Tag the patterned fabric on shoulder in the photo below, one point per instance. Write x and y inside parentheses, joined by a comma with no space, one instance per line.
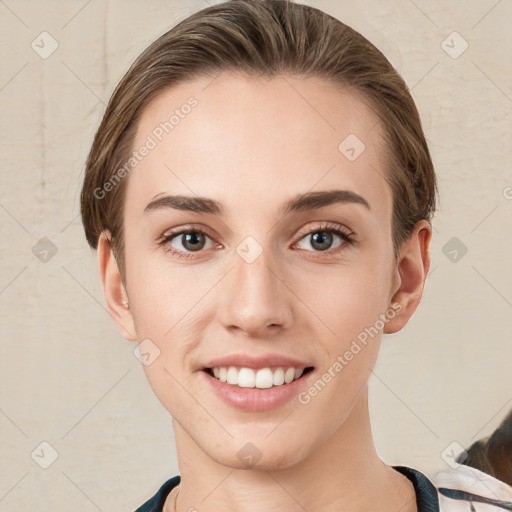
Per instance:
(466,489)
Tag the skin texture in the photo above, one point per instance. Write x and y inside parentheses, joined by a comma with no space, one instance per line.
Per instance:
(252,144)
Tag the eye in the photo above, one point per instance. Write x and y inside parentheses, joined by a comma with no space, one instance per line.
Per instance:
(186,241)
(322,238)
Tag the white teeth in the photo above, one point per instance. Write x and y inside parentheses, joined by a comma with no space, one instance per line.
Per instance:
(289,375)
(298,373)
(246,378)
(232,375)
(279,377)
(263,378)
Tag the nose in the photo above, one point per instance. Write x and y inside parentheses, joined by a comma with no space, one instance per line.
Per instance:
(254,298)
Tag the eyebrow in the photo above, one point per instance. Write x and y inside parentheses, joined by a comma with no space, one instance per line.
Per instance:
(299,203)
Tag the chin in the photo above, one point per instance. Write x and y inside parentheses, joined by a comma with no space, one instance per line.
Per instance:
(259,455)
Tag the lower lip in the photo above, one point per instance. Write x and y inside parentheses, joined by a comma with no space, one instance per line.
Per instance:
(255,399)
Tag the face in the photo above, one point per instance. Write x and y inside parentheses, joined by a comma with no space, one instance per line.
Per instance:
(261,263)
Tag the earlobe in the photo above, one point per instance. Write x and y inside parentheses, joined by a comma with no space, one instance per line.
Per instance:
(412,267)
(114,290)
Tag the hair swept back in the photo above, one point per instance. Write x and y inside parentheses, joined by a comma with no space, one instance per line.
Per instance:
(265,38)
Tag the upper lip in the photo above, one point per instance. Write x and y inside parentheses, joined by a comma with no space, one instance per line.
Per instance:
(248,361)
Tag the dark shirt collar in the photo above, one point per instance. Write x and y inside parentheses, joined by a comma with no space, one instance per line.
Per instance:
(427,499)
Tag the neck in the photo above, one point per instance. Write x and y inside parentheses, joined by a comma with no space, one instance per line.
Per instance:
(344,472)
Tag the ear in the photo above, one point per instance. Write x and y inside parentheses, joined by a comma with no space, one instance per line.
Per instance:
(411,270)
(114,290)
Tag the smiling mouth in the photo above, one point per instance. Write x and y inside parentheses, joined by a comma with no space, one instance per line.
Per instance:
(263,378)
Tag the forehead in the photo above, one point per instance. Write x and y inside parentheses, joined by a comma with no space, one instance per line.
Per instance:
(252,139)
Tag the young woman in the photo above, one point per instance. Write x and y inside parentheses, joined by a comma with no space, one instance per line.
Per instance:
(260,193)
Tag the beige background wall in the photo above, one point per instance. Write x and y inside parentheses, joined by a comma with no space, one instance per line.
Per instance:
(70,380)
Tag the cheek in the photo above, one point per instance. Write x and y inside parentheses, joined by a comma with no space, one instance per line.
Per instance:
(159,294)
(171,304)
(346,299)
(347,304)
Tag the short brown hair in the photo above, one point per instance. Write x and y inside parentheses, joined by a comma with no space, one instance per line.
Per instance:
(266,38)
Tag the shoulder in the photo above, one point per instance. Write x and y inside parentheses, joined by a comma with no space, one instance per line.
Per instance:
(461,489)
(468,489)
(156,503)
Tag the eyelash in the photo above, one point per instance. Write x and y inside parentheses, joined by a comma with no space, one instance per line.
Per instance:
(347,236)
(344,233)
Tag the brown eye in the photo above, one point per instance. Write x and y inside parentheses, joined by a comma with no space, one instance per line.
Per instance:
(193,241)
